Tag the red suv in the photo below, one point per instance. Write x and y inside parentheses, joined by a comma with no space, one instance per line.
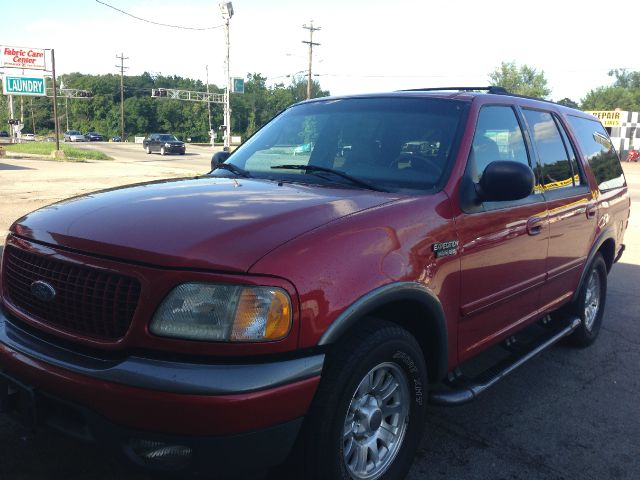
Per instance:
(315,299)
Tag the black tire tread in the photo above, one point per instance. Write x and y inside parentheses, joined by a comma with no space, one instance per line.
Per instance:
(352,350)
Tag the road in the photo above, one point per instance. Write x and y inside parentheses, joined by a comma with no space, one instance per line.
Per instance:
(30,182)
(567,414)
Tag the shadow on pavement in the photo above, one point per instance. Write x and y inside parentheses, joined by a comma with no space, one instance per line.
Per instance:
(6,166)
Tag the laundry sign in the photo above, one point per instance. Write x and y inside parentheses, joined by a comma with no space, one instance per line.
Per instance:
(22,85)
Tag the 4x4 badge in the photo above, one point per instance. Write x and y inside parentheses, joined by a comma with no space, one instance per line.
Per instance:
(445,249)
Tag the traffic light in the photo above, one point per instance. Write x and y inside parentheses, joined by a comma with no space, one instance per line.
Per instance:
(158,92)
(13,121)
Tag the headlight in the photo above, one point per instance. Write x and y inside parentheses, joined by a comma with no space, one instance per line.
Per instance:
(224,313)
(167,145)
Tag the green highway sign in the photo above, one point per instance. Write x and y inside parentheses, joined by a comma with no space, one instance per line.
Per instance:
(21,85)
(237,85)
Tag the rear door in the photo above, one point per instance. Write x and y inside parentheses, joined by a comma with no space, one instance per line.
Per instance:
(572,210)
(503,244)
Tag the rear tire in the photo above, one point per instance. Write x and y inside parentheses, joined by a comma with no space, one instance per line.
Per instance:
(148,150)
(368,415)
(589,305)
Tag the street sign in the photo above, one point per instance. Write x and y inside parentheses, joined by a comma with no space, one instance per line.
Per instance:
(237,85)
(21,85)
(21,57)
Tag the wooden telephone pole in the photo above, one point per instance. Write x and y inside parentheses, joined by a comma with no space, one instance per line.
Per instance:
(122,69)
(311,29)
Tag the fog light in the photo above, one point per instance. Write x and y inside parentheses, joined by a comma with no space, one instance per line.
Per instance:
(159,455)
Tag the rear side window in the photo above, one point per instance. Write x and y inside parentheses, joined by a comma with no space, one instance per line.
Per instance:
(498,136)
(598,149)
(554,158)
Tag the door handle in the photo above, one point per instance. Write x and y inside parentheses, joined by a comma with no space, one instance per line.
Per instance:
(534,225)
(592,209)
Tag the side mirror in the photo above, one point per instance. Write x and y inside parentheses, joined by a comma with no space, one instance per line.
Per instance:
(219,157)
(504,181)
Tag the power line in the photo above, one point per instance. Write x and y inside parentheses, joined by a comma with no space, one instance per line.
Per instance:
(158,23)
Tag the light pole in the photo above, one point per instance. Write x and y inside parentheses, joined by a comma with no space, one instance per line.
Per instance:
(226,8)
(211,136)
(66,105)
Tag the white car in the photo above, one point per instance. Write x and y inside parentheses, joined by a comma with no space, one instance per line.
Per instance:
(74,136)
(28,137)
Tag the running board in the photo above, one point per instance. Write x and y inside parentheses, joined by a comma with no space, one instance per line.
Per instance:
(466,391)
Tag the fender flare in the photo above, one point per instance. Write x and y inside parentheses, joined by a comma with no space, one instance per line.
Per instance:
(394,292)
(607,234)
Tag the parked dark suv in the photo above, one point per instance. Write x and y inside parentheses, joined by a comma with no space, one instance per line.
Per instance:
(318,298)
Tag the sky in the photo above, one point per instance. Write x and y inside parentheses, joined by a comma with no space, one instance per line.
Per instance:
(365,45)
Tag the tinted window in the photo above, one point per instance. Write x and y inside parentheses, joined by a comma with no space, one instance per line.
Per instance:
(575,168)
(167,138)
(598,149)
(554,160)
(497,137)
(394,143)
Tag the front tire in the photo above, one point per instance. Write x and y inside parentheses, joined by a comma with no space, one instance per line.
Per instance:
(589,305)
(368,415)
(163,151)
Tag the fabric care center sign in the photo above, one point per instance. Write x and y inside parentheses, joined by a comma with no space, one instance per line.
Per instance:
(23,58)
(17,57)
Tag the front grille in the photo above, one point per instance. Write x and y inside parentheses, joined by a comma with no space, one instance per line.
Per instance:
(88,301)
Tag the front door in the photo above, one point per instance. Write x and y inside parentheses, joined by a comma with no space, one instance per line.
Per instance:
(503,245)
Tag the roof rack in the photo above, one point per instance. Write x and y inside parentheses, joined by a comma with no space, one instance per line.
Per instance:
(490,89)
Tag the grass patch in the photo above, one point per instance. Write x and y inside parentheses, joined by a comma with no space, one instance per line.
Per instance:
(45,148)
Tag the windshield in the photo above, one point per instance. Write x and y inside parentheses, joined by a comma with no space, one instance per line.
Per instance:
(393,143)
(167,138)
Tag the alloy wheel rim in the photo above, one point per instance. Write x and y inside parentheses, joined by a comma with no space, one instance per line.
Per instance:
(592,300)
(376,422)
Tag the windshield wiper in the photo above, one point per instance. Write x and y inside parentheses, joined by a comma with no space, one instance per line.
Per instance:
(232,168)
(316,168)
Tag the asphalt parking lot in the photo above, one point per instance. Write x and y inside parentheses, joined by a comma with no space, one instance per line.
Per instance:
(568,414)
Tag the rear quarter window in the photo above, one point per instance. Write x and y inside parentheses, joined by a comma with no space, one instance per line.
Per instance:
(598,149)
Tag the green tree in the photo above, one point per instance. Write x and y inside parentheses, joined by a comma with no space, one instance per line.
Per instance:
(523,80)
(567,102)
(145,114)
(298,88)
(623,94)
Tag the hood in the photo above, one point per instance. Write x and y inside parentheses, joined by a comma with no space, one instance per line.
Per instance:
(212,223)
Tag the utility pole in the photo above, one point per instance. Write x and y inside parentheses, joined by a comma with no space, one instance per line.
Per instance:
(66,105)
(226,8)
(55,99)
(311,29)
(66,111)
(11,116)
(33,120)
(211,135)
(122,69)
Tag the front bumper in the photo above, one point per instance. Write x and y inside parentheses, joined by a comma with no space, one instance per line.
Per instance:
(215,410)
(175,148)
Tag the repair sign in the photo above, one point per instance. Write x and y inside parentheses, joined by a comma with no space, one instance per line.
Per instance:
(22,57)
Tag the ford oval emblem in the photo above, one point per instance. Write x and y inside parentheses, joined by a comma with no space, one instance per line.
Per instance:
(43,291)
